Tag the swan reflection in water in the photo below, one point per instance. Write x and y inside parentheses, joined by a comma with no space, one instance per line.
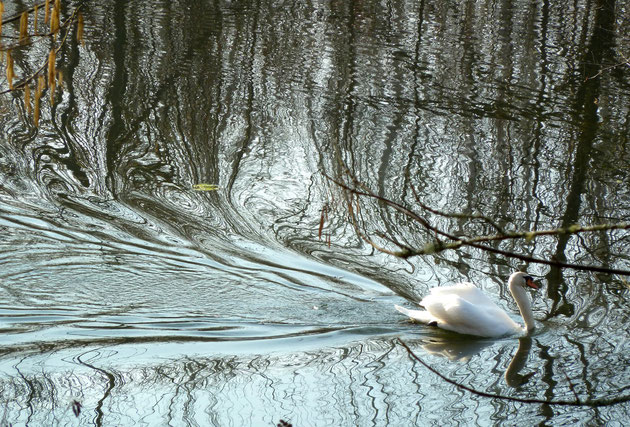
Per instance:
(463,350)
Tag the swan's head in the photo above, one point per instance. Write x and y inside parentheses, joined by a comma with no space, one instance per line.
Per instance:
(522,280)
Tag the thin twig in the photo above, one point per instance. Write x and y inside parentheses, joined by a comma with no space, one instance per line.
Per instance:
(601,71)
(458,242)
(455,215)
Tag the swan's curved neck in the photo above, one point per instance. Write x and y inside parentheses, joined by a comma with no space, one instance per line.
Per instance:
(524,305)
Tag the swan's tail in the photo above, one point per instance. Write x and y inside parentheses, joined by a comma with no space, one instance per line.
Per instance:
(421,316)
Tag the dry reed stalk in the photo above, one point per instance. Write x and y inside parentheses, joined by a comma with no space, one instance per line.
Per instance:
(80,28)
(35,10)
(27,98)
(24,26)
(51,74)
(1,12)
(10,71)
(41,84)
(54,21)
(36,110)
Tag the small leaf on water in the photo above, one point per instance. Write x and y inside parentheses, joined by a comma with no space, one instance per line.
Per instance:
(529,236)
(205,187)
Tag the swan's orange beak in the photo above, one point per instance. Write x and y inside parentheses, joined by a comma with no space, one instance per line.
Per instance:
(529,281)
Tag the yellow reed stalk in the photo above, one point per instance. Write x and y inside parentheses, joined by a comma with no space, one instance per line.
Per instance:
(80,28)
(57,8)
(27,98)
(54,21)
(23,25)
(1,12)
(36,109)
(35,10)
(51,74)
(10,72)
(41,84)
(46,11)
(60,79)
(51,67)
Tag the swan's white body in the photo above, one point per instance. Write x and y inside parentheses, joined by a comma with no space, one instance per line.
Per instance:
(465,309)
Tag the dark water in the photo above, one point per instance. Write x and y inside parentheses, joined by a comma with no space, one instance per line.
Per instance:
(124,288)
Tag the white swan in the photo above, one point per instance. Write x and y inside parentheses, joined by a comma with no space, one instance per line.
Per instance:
(465,309)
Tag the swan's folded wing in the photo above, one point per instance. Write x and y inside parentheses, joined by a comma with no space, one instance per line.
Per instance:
(458,314)
(466,291)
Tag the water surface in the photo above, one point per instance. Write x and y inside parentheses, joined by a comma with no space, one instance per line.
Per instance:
(149,302)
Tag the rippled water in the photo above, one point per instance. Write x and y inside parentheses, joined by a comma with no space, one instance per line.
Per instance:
(147,301)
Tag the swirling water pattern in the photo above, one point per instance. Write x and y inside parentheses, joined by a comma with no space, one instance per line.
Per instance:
(148,302)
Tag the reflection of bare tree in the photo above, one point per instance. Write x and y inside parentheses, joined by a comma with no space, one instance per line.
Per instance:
(209,390)
(351,381)
(597,53)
